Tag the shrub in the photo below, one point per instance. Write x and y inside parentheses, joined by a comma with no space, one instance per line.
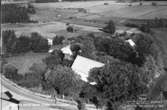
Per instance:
(56,58)
(9,41)
(38,43)
(70,29)
(30,80)
(110,28)
(145,28)
(31,9)
(154,4)
(23,44)
(10,72)
(58,40)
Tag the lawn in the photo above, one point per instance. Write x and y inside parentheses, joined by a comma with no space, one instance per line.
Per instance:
(25,61)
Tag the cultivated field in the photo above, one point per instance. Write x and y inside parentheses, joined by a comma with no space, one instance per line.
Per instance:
(97,10)
(91,13)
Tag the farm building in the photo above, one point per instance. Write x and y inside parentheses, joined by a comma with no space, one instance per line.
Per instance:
(83,65)
(131,42)
(67,52)
(50,41)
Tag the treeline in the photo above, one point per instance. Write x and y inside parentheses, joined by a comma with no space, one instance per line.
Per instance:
(12,13)
(146,24)
(14,45)
(47,1)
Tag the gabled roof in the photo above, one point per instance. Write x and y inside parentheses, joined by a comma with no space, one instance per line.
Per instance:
(67,50)
(131,42)
(83,65)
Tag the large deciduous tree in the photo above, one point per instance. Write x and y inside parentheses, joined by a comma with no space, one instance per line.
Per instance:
(54,59)
(9,41)
(118,82)
(110,27)
(64,80)
(38,43)
(23,44)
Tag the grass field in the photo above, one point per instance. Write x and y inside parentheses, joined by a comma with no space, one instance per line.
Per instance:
(24,62)
(97,10)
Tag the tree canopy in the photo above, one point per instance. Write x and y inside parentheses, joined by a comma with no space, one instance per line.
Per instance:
(118,81)
(64,80)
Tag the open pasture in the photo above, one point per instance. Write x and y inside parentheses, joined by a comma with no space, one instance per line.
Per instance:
(25,61)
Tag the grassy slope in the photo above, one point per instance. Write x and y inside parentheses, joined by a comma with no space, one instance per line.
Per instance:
(160,36)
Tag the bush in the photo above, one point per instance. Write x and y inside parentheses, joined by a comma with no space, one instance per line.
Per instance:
(70,29)
(58,40)
(9,41)
(30,80)
(10,72)
(56,58)
(23,44)
(110,28)
(31,9)
(64,80)
(38,43)
(145,28)
(154,4)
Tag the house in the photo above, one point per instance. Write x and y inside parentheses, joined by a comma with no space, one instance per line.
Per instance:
(82,66)
(131,42)
(67,52)
(50,41)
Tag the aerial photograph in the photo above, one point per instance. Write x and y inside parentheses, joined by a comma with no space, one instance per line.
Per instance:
(83,55)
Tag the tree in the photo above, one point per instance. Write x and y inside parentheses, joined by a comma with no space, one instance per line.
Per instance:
(10,72)
(31,9)
(30,80)
(56,58)
(118,82)
(145,28)
(120,49)
(58,40)
(143,44)
(64,81)
(38,43)
(110,27)
(39,68)
(87,46)
(76,49)
(102,44)
(70,29)
(23,44)
(9,40)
